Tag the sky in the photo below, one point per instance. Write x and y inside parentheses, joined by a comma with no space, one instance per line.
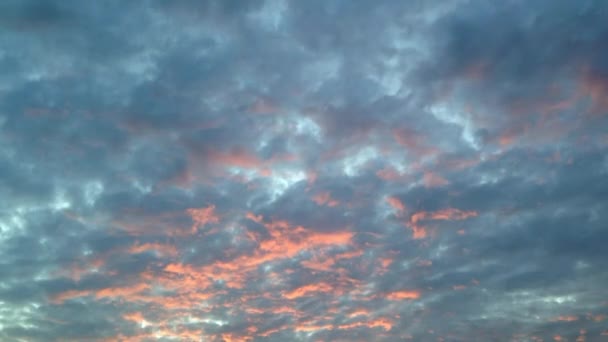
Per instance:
(317,170)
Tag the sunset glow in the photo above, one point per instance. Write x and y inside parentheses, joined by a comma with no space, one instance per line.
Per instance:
(314,170)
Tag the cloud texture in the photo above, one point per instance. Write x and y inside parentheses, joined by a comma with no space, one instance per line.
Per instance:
(303,170)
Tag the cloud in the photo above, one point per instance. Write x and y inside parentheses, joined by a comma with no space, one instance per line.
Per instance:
(318,170)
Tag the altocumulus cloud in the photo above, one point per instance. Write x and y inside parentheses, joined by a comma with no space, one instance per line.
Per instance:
(303,170)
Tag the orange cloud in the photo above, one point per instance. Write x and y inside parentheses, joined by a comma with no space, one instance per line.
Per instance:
(458,164)
(318,265)
(433,180)
(284,310)
(413,142)
(164,249)
(386,262)
(233,338)
(66,295)
(565,319)
(127,291)
(332,238)
(377,323)
(192,280)
(404,294)
(507,139)
(306,290)
(324,198)
(235,158)
(311,328)
(418,232)
(444,214)
(350,255)
(136,317)
(183,288)
(448,214)
(271,331)
(359,312)
(202,216)
(396,204)
(254,218)
(130,338)
(194,284)
(77,271)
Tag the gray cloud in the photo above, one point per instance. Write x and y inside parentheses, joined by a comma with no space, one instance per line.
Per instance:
(320,170)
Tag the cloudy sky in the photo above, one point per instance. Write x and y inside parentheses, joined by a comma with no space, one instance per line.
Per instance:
(303,170)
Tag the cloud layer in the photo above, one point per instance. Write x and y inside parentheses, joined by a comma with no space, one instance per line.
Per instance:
(303,171)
